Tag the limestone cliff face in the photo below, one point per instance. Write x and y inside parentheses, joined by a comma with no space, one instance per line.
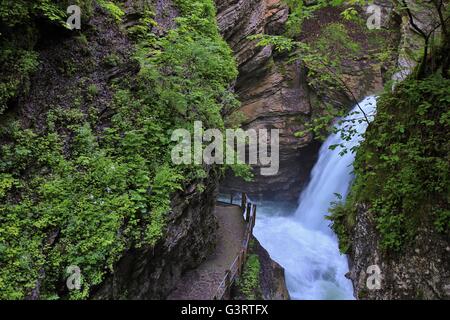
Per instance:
(271,284)
(272,92)
(152,273)
(419,272)
(275,93)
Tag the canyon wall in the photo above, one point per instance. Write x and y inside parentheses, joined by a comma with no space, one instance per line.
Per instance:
(419,269)
(190,237)
(272,92)
(191,234)
(275,94)
(69,65)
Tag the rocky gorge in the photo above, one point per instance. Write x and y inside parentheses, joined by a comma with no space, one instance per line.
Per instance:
(84,175)
(82,72)
(275,93)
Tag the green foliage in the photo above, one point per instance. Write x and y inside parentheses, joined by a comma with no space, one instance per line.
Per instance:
(166,181)
(80,192)
(112,60)
(248,283)
(113,9)
(402,168)
(19,32)
(20,64)
(301,10)
(21,11)
(280,43)
(6,183)
(324,56)
(143,29)
(244,171)
(92,90)
(350,14)
(343,217)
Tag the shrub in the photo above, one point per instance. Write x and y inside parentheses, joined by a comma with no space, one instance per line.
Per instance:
(80,192)
(402,168)
(248,284)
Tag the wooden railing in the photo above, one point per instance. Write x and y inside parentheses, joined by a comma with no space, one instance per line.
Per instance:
(236,268)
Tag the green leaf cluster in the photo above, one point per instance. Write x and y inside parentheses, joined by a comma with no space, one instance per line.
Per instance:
(402,168)
(248,283)
(84,190)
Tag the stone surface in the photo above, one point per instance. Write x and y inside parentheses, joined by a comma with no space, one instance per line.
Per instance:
(152,273)
(421,271)
(275,94)
(272,92)
(272,284)
(203,282)
(272,280)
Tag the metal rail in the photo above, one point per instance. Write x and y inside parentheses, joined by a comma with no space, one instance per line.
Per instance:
(235,270)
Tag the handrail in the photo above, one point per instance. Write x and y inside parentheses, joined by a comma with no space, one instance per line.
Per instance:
(235,270)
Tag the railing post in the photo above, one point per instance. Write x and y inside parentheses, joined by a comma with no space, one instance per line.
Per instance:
(247,214)
(239,270)
(243,201)
(231,198)
(254,217)
(227,283)
(242,260)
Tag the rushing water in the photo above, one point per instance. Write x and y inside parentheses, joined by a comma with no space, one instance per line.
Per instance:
(300,239)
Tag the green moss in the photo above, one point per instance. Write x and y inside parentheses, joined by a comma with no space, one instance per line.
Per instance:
(79,193)
(113,9)
(19,31)
(112,60)
(248,283)
(402,168)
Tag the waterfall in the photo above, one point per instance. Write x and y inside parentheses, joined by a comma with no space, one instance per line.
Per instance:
(332,174)
(301,240)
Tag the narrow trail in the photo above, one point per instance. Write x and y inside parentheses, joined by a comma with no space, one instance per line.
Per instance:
(202,282)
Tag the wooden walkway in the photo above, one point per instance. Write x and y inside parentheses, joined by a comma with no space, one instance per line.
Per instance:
(214,277)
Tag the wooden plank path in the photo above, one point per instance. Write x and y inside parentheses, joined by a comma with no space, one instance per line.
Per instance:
(214,277)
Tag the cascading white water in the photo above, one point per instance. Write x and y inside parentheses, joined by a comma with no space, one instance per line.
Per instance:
(302,242)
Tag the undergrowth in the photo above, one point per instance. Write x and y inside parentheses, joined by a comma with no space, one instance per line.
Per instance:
(76,195)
